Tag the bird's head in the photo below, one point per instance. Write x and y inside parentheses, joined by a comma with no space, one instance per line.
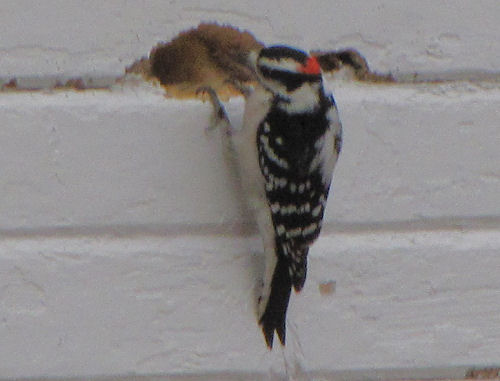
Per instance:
(284,70)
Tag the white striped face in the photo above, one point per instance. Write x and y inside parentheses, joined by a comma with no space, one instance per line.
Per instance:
(291,74)
(281,64)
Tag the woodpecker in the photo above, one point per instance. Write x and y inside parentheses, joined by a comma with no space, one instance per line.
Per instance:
(286,151)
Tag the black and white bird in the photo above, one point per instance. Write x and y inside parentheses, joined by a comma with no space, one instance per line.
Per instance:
(286,152)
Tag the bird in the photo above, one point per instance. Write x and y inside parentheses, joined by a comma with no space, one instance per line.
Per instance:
(285,153)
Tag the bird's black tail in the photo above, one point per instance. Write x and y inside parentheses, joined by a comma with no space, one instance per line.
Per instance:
(290,270)
(274,316)
(299,268)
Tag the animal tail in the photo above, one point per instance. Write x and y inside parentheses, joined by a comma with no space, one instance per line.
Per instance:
(298,267)
(289,270)
(274,316)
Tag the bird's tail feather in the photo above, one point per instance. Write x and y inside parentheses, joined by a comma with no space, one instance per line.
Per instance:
(274,316)
(299,267)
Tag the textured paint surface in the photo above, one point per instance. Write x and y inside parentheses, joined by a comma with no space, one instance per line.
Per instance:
(397,36)
(121,247)
(124,247)
(103,305)
(132,158)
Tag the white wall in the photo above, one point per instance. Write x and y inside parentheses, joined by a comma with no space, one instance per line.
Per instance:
(123,246)
(71,37)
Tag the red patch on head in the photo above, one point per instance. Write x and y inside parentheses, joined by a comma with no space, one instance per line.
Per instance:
(311,67)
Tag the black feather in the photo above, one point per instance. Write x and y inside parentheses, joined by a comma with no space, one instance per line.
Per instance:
(274,317)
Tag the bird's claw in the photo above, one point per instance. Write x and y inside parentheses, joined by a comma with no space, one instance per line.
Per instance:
(219,113)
